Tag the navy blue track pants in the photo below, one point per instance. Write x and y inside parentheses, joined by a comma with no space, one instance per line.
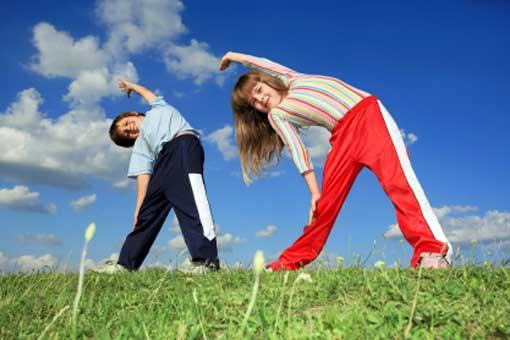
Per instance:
(176,182)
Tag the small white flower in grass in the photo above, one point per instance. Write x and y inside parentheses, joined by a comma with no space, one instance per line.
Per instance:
(379,265)
(89,233)
(195,299)
(258,262)
(258,267)
(339,261)
(302,277)
(195,296)
(305,277)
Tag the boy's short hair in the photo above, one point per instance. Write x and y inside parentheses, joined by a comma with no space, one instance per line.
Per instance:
(115,134)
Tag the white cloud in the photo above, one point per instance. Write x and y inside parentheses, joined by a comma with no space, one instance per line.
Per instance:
(225,241)
(408,137)
(124,184)
(76,147)
(393,231)
(223,139)
(158,250)
(493,226)
(82,202)
(3,260)
(39,239)
(445,210)
(177,243)
(91,263)
(137,24)
(268,231)
(175,228)
(316,140)
(113,257)
(193,61)
(22,114)
(90,86)
(94,70)
(28,263)
(20,198)
(276,173)
(158,265)
(60,55)
(178,94)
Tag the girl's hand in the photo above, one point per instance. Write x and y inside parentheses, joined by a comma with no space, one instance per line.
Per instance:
(125,86)
(225,61)
(313,205)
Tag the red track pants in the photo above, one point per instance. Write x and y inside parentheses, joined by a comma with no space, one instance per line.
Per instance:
(368,136)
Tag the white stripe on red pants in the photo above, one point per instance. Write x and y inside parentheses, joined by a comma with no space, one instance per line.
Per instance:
(367,136)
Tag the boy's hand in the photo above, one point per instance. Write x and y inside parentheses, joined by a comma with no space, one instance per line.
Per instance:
(125,86)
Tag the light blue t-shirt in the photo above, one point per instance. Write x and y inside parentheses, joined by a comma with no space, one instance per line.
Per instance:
(162,122)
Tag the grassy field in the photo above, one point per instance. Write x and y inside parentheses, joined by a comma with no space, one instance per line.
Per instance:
(467,302)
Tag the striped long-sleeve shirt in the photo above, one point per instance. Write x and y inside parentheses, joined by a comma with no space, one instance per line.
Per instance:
(311,100)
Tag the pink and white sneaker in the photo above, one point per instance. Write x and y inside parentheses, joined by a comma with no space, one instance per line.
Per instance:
(433,261)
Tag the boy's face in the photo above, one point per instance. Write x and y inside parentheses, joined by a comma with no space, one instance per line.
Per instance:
(129,127)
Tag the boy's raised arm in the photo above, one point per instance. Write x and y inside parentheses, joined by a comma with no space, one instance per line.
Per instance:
(126,86)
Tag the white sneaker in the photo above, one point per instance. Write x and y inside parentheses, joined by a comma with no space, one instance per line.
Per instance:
(110,267)
(433,261)
(195,268)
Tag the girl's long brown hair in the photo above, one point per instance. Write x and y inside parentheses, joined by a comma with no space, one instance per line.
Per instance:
(257,141)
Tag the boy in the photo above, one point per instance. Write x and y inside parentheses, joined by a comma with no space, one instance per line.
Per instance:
(167,161)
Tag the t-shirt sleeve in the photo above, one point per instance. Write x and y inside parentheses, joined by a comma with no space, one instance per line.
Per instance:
(158,102)
(141,161)
(290,137)
(269,67)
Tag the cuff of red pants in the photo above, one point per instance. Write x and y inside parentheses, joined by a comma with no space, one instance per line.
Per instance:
(280,266)
(439,248)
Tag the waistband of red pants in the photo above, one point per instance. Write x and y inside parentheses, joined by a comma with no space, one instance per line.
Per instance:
(360,106)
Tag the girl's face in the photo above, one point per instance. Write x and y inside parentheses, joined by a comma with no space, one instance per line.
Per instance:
(129,127)
(263,97)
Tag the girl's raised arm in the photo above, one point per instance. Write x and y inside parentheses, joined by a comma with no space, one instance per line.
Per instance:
(261,64)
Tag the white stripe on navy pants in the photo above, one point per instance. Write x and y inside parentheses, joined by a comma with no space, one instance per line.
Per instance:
(176,182)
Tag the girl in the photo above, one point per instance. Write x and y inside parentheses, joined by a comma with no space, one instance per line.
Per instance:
(271,102)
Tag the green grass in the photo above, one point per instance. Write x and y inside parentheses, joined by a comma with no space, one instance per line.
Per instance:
(466,302)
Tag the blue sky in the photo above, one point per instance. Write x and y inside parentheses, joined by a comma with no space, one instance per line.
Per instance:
(441,69)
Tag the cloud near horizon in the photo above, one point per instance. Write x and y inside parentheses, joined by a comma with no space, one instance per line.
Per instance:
(20,198)
(462,227)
